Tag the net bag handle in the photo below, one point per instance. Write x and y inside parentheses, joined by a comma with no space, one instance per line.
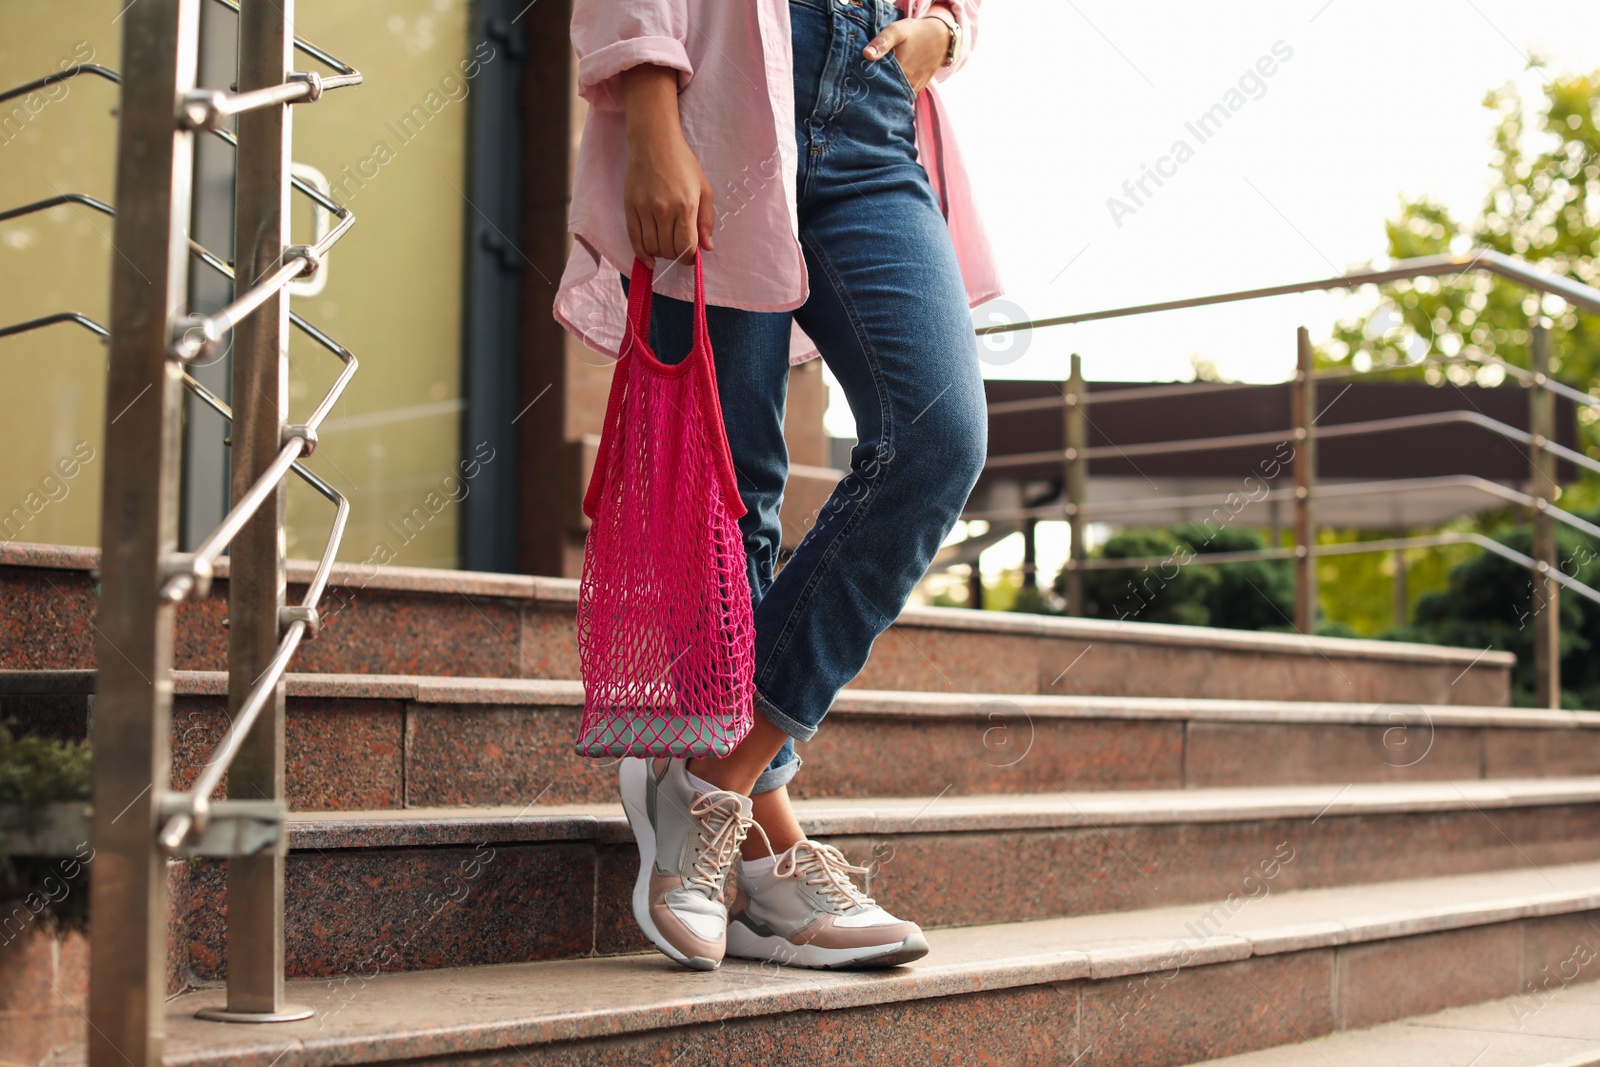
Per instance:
(711,409)
(635,342)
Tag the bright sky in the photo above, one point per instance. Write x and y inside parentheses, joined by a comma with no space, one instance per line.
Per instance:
(1065,100)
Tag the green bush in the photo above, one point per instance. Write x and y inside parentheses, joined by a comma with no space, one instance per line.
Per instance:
(1258,595)
(38,770)
(34,772)
(1182,588)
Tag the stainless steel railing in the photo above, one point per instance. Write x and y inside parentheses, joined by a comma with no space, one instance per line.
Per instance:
(1544,450)
(138,819)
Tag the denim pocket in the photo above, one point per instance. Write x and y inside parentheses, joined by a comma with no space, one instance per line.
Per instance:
(899,74)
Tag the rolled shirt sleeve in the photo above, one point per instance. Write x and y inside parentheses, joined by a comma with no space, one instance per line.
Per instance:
(611,36)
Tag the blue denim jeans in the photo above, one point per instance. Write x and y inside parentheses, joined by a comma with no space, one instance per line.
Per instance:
(888,312)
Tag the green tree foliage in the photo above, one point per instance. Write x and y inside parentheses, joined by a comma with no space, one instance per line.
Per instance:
(1357,590)
(1543,206)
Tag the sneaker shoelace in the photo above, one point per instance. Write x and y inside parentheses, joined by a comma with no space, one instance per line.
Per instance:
(722,828)
(826,868)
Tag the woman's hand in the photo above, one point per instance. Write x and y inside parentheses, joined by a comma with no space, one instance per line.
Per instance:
(665,195)
(919,45)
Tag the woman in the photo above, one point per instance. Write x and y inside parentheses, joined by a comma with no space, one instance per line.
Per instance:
(799,145)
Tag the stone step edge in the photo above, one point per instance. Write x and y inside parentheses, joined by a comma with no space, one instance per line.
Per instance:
(605,824)
(747,989)
(1407,1041)
(431,689)
(564,592)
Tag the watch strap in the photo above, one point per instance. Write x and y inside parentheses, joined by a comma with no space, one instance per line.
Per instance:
(954,27)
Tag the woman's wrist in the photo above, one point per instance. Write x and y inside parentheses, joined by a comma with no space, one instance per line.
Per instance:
(650,105)
(946,17)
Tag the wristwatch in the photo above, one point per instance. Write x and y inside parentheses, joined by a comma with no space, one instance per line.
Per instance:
(953,26)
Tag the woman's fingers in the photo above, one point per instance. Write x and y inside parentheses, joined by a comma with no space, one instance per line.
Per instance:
(671,231)
(886,41)
(652,239)
(708,218)
(683,231)
(636,236)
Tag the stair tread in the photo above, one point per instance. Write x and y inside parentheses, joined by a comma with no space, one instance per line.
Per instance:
(458,1010)
(564,592)
(396,827)
(931,703)
(1560,1028)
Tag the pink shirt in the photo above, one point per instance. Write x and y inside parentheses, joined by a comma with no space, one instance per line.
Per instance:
(736,104)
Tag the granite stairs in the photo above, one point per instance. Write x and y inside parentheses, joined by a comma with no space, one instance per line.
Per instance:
(1131,843)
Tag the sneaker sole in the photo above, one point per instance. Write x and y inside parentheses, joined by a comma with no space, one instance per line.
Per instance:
(746,944)
(631,777)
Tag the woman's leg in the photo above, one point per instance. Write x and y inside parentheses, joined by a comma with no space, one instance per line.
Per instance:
(741,769)
(888,310)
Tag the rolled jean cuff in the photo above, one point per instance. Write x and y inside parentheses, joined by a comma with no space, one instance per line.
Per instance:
(793,727)
(775,777)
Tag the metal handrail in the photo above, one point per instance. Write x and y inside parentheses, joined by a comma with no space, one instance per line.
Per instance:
(195,334)
(176,587)
(188,810)
(1527,377)
(347,75)
(1471,418)
(1349,548)
(1114,396)
(140,484)
(219,132)
(301,184)
(1268,437)
(65,74)
(196,568)
(1208,388)
(1143,392)
(50,320)
(206,109)
(191,572)
(1544,450)
(1320,492)
(200,251)
(211,399)
(56,201)
(1402,270)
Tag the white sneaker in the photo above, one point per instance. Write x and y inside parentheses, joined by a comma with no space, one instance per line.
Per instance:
(808,913)
(688,841)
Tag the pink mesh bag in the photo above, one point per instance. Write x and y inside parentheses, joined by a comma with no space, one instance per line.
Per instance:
(665,636)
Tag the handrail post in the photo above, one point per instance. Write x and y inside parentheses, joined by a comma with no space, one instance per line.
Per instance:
(133,650)
(1302,417)
(1402,609)
(256,579)
(1075,480)
(1030,552)
(1545,592)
